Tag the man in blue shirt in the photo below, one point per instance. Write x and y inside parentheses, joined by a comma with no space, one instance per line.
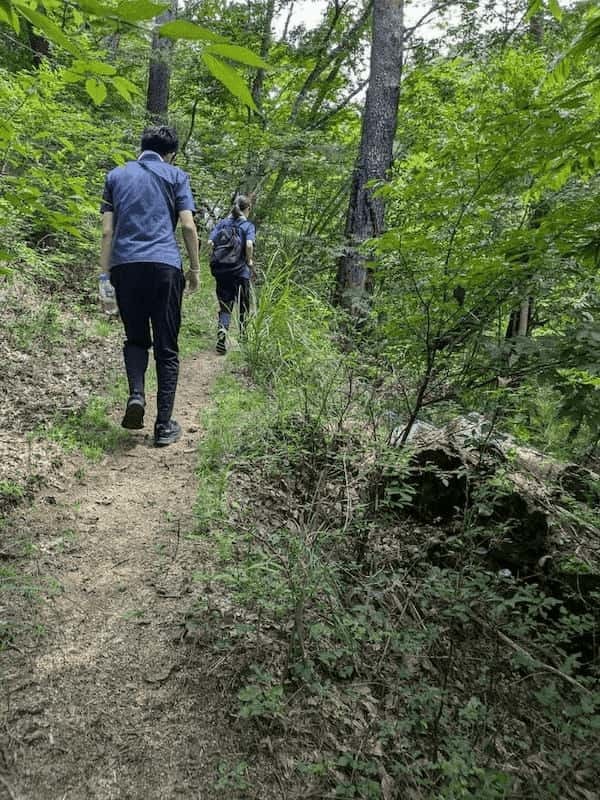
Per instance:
(142,203)
(233,280)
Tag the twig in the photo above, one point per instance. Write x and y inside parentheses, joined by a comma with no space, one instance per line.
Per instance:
(8,788)
(175,554)
(216,665)
(12,646)
(519,649)
(348,498)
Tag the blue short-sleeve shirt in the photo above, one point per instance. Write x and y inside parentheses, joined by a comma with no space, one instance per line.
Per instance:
(247,230)
(146,197)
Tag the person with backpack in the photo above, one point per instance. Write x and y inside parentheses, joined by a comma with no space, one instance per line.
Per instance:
(231,244)
(142,203)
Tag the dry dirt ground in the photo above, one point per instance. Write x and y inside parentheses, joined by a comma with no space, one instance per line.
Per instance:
(53,362)
(102,699)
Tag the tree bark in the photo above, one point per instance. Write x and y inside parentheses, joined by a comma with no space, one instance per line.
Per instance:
(265,46)
(39,45)
(519,323)
(159,73)
(288,19)
(536,29)
(365,216)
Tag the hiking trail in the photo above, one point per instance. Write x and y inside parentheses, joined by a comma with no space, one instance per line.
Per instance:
(106,702)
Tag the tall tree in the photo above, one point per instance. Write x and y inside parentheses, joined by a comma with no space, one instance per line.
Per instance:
(40,46)
(520,319)
(366,211)
(334,45)
(159,73)
(267,36)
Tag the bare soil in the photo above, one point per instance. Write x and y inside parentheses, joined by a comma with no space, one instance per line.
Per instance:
(53,361)
(102,698)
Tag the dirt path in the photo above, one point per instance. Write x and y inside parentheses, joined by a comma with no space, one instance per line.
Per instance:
(108,703)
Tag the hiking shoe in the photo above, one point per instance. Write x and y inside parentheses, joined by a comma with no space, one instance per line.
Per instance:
(221,346)
(134,413)
(166,433)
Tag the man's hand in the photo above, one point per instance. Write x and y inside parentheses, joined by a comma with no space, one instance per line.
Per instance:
(192,280)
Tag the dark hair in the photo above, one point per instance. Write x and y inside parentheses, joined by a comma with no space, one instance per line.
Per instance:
(161,139)
(241,204)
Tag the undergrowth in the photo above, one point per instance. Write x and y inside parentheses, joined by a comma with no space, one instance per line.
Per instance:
(90,431)
(370,662)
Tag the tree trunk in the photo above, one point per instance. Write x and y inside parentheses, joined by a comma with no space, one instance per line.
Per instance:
(519,323)
(536,29)
(159,73)
(39,45)
(265,46)
(365,211)
(288,19)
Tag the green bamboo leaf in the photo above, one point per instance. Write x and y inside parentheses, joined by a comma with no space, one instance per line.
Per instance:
(237,53)
(96,90)
(139,10)
(96,67)
(230,79)
(183,29)
(50,29)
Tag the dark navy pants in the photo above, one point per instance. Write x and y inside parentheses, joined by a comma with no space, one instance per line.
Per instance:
(229,291)
(149,297)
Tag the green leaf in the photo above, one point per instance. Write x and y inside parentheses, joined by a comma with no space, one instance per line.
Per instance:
(183,29)
(94,7)
(535,6)
(230,79)
(96,90)
(7,14)
(71,77)
(138,10)
(50,29)
(237,53)
(586,40)
(96,67)
(131,87)
(555,9)
(124,87)
(6,130)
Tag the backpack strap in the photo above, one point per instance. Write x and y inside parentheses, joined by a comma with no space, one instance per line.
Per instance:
(235,223)
(166,189)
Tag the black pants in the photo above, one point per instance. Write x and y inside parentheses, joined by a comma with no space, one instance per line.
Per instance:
(149,295)
(229,291)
